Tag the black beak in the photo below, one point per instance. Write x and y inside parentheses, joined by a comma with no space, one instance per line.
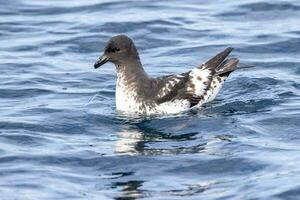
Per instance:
(102,60)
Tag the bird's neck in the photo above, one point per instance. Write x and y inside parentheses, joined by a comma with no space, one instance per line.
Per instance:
(131,72)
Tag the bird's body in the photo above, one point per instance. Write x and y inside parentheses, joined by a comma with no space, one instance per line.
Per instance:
(138,93)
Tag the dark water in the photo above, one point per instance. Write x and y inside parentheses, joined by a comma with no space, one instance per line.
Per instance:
(60,137)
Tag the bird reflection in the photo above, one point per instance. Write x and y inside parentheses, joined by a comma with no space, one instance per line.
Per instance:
(134,190)
(140,139)
(130,190)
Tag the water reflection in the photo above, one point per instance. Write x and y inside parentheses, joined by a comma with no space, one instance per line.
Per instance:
(130,190)
(134,190)
(149,141)
(150,138)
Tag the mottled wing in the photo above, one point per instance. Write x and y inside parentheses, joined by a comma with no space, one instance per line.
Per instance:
(196,85)
(205,80)
(190,86)
(171,87)
(199,84)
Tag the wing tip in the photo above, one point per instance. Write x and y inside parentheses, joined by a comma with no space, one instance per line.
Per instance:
(214,62)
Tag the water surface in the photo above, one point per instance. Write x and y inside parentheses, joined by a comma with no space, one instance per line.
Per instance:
(61,138)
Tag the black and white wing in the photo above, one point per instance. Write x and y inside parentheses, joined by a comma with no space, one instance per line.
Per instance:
(198,85)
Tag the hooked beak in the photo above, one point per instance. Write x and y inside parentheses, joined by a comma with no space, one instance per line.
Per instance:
(101,61)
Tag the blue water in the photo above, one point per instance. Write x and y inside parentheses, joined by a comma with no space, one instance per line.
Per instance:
(61,138)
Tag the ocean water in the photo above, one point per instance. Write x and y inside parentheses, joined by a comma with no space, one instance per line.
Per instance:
(61,138)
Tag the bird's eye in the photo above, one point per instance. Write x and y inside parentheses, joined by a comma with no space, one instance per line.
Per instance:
(115,49)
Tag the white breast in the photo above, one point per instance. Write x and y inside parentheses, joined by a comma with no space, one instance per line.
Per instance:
(126,98)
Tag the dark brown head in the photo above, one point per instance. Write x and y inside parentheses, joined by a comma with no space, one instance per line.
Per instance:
(119,49)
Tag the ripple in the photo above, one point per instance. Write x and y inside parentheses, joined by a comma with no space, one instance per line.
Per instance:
(23,93)
(289,46)
(290,194)
(263,6)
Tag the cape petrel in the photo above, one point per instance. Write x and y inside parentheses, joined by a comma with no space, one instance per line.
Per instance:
(138,93)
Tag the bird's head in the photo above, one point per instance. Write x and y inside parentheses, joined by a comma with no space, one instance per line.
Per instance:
(119,49)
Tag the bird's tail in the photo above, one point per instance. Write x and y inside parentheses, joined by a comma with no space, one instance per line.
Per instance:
(222,66)
(226,67)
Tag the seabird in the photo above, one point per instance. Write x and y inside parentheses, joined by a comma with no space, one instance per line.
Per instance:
(138,93)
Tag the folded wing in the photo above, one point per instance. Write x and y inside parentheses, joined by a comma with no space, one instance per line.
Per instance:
(198,85)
